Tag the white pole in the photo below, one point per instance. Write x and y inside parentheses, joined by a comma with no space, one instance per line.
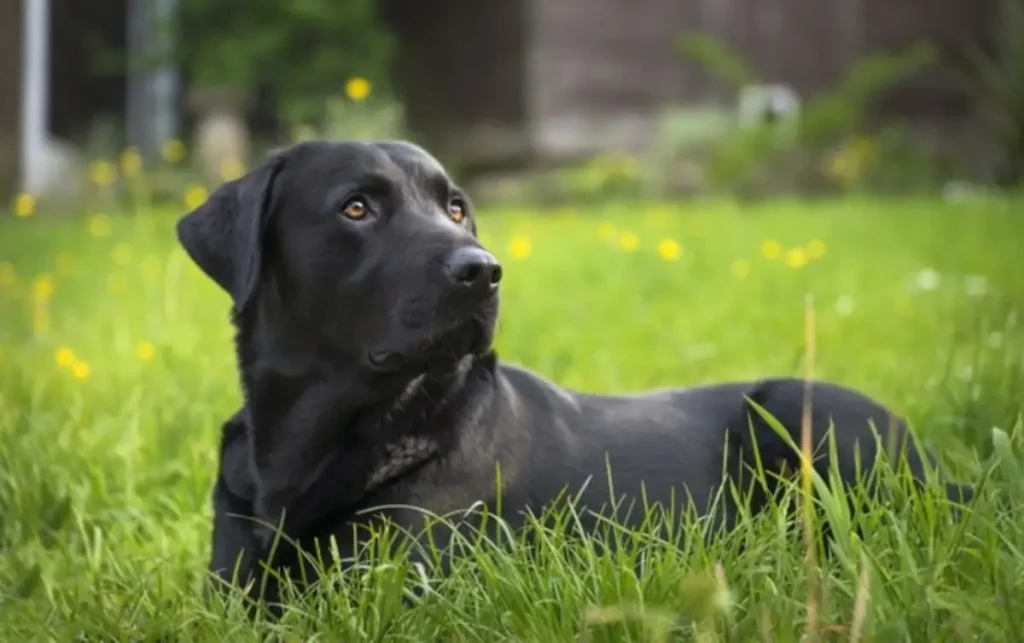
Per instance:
(35,92)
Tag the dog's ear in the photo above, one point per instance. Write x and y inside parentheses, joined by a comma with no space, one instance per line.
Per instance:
(224,236)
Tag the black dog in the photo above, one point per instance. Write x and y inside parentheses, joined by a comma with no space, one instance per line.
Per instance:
(365,309)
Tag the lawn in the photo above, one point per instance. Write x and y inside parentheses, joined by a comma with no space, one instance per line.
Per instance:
(116,371)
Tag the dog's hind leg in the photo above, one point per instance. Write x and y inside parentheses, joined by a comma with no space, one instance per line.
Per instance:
(862,429)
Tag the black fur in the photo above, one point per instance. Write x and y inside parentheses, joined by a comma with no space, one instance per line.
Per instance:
(369,377)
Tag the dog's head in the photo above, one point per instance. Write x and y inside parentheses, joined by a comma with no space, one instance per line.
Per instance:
(370,248)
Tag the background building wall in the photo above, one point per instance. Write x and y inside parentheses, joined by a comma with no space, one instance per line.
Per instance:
(10,95)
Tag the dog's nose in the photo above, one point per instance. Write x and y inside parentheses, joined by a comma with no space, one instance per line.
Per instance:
(473,268)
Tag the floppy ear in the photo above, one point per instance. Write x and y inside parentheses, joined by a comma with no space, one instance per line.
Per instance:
(224,236)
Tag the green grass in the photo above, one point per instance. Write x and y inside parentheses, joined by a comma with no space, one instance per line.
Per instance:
(105,477)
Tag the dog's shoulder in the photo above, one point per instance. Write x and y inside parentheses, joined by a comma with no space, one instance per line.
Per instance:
(234,474)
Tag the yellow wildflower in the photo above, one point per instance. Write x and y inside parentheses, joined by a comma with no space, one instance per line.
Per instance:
(847,163)
(65,357)
(796,258)
(771,249)
(195,196)
(24,205)
(102,173)
(231,169)
(80,370)
(520,247)
(740,268)
(358,88)
(629,241)
(606,230)
(145,350)
(173,151)
(131,162)
(42,288)
(99,225)
(670,250)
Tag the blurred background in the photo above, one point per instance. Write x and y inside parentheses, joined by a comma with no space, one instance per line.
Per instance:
(553,100)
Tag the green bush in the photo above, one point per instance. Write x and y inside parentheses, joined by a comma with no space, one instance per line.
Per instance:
(1001,76)
(304,46)
(758,158)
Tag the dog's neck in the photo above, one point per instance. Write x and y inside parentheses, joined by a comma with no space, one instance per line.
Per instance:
(325,431)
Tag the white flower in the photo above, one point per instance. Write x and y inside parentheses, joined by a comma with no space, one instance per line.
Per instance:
(958,191)
(976,286)
(927,279)
(844,305)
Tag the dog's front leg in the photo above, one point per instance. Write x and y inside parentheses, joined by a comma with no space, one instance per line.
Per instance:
(293,446)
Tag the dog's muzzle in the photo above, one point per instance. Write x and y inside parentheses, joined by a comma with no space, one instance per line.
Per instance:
(473,271)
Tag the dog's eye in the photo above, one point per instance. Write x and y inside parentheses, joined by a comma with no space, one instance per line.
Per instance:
(355,209)
(456,211)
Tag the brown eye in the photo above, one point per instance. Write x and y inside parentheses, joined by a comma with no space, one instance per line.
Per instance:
(456,211)
(355,209)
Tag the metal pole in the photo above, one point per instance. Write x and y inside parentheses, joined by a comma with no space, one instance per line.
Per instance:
(35,93)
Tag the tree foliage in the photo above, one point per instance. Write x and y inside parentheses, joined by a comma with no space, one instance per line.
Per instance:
(303,47)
